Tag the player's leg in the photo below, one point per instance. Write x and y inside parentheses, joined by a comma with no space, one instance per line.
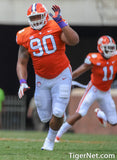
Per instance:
(67,125)
(101,116)
(38,125)
(44,110)
(61,88)
(108,107)
(43,101)
(87,100)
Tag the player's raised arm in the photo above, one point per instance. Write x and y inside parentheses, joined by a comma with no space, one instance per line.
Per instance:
(69,36)
(80,70)
(21,69)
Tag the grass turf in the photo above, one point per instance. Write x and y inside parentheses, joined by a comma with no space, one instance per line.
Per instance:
(26,145)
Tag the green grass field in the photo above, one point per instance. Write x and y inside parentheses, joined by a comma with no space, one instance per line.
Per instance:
(25,145)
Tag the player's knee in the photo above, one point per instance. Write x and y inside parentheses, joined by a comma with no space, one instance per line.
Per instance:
(112,122)
(84,108)
(82,113)
(45,120)
(58,113)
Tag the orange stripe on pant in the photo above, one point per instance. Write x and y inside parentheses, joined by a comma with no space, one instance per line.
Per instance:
(84,95)
(70,68)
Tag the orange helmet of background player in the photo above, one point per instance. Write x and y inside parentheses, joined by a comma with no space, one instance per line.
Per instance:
(37,9)
(106,46)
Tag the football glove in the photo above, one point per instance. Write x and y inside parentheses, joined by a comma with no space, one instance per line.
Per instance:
(57,17)
(23,88)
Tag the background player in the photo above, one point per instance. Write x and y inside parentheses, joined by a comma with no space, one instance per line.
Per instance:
(104,67)
(44,40)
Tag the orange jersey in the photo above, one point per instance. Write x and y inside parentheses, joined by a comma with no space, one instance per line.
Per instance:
(46,49)
(103,71)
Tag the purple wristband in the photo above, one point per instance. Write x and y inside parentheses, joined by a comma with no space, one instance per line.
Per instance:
(62,24)
(22,81)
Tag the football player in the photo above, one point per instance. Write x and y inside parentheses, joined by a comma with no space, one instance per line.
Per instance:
(104,67)
(44,41)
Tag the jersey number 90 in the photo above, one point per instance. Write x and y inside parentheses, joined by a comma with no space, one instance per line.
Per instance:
(38,45)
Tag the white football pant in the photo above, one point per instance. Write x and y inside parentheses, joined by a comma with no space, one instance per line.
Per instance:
(52,95)
(104,99)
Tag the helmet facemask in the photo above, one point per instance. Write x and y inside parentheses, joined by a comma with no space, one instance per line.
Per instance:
(108,50)
(40,23)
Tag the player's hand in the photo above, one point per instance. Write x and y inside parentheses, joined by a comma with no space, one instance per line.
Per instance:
(57,17)
(22,89)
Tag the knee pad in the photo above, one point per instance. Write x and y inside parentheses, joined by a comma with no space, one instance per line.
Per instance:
(58,113)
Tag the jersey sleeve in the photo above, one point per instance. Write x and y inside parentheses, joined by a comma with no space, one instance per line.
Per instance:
(21,38)
(91,58)
(88,59)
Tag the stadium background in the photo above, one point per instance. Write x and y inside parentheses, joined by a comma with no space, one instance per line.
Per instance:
(90,19)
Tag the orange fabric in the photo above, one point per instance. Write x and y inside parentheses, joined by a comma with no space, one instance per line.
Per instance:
(46,49)
(103,71)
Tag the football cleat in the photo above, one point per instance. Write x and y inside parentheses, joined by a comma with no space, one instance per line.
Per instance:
(102,121)
(106,46)
(37,10)
(48,145)
(57,139)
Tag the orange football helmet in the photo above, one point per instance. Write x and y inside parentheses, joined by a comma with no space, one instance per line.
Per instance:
(37,9)
(106,46)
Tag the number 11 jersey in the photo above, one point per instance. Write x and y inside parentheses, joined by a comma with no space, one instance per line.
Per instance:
(103,70)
